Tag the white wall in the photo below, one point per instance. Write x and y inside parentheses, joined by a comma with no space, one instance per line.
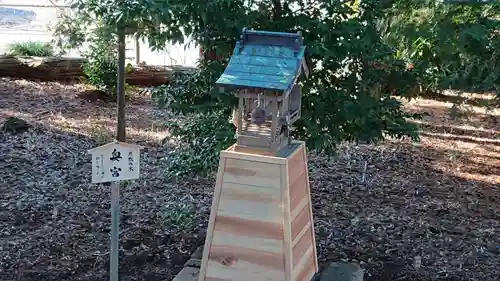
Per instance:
(38,30)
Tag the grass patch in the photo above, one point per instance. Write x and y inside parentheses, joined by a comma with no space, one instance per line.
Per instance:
(31,48)
(178,216)
(100,134)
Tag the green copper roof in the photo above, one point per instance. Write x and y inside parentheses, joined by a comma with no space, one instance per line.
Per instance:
(264,60)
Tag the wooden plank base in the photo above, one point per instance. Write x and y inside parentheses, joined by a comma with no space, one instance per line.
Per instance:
(261,225)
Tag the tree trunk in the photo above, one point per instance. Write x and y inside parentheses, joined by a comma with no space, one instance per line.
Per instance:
(120,122)
(209,55)
(277,9)
(67,69)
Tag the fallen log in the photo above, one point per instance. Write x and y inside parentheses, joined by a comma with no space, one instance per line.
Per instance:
(69,69)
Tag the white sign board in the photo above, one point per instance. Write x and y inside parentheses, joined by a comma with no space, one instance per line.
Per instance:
(116,161)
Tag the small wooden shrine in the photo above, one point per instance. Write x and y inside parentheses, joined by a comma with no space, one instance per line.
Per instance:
(264,69)
(261,224)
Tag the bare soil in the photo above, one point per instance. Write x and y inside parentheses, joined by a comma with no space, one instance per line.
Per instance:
(424,211)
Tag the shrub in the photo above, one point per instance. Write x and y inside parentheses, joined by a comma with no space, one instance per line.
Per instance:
(193,91)
(199,138)
(344,99)
(450,45)
(31,48)
(204,128)
(101,68)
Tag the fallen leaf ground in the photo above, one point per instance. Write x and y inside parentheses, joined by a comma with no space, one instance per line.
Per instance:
(425,211)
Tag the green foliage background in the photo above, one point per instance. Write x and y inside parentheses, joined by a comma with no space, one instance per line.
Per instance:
(358,51)
(346,97)
(101,68)
(451,45)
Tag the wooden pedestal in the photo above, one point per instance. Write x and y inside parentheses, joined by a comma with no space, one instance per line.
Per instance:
(261,225)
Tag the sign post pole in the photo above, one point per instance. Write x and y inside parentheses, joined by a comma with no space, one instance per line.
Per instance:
(115,230)
(120,136)
(114,162)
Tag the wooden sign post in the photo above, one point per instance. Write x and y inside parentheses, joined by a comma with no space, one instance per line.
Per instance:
(114,162)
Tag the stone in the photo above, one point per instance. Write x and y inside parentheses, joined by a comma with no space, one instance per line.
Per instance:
(195,260)
(198,254)
(15,125)
(95,95)
(339,271)
(193,263)
(188,274)
(258,116)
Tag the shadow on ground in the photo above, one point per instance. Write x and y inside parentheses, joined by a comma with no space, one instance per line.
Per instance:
(437,201)
(484,100)
(54,223)
(409,208)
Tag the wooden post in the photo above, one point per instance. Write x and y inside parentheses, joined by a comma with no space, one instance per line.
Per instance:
(261,225)
(240,117)
(137,51)
(120,136)
(115,233)
(274,123)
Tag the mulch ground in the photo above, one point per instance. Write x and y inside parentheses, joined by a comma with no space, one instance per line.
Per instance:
(423,211)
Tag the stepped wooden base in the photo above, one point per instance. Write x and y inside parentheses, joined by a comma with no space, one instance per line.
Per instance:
(261,225)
